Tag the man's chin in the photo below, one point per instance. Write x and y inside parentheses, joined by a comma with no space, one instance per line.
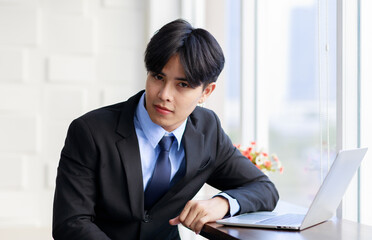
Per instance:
(160,122)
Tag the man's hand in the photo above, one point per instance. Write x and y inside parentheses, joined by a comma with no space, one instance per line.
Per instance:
(198,212)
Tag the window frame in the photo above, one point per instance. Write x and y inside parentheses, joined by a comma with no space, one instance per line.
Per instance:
(348,97)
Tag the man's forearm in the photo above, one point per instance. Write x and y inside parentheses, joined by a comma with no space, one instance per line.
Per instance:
(256,196)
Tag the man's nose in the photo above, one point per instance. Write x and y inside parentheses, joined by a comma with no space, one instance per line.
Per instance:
(165,93)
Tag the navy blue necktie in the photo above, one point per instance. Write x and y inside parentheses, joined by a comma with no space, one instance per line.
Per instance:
(159,182)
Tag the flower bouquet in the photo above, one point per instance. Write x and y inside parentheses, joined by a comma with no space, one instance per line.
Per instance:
(263,161)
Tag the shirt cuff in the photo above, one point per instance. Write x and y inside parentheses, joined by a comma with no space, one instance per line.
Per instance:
(234,205)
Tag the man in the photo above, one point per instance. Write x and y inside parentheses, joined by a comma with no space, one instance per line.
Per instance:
(117,180)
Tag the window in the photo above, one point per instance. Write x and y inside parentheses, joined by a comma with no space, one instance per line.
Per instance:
(305,91)
(294,83)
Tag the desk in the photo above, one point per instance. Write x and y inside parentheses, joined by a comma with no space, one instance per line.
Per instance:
(331,230)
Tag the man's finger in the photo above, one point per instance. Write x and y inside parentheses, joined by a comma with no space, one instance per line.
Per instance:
(175,221)
(187,213)
(195,220)
(199,224)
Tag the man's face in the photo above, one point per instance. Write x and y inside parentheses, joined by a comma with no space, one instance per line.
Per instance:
(169,97)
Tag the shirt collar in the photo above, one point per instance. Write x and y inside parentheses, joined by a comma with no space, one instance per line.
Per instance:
(153,132)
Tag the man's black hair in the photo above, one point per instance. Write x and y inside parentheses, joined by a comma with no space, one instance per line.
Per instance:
(200,54)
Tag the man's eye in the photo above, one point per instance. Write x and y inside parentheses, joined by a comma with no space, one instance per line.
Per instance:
(158,77)
(183,84)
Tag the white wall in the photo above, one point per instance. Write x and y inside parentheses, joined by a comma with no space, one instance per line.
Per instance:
(58,60)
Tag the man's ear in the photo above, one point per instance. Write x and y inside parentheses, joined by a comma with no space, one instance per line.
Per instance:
(207,92)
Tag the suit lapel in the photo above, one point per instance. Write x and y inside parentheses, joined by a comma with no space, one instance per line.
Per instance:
(130,155)
(194,145)
(129,152)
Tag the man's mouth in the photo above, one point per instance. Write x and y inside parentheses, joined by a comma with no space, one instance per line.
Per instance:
(162,110)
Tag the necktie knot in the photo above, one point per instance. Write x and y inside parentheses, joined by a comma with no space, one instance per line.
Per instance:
(165,143)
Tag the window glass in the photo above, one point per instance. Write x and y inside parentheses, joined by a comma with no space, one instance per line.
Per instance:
(296,91)
(233,70)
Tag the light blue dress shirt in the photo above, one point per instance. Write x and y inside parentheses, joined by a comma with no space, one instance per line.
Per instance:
(149,135)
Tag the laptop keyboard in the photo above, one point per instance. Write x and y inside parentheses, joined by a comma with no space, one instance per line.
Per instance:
(286,219)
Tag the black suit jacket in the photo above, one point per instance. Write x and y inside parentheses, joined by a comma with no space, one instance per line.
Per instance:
(99,188)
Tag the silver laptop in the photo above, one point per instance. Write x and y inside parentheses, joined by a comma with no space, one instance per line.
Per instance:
(323,206)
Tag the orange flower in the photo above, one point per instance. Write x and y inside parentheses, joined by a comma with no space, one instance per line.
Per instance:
(268,164)
(246,153)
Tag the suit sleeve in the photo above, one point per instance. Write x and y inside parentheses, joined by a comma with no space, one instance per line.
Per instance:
(240,178)
(75,193)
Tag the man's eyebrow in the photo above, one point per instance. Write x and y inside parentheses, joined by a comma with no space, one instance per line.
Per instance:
(182,79)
